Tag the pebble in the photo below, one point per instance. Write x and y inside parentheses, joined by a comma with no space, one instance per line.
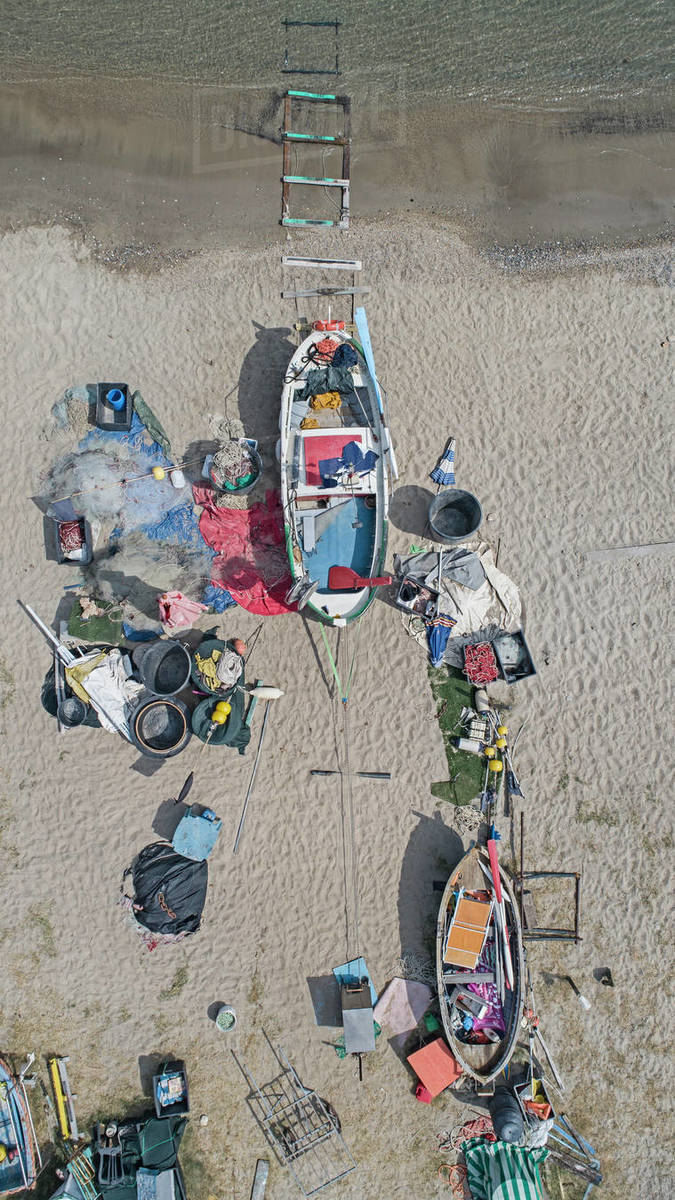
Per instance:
(203,1120)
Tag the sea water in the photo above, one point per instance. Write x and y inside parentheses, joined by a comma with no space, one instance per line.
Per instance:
(517,53)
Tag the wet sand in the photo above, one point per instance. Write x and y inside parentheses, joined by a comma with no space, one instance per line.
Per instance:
(181,167)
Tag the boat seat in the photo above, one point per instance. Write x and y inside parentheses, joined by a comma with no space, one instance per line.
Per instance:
(467,932)
(308,532)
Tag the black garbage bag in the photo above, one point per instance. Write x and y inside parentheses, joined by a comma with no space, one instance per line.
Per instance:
(169,890)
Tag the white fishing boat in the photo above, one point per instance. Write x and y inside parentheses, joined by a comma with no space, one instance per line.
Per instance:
(336,464)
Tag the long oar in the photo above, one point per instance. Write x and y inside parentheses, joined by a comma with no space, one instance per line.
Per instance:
(268,698)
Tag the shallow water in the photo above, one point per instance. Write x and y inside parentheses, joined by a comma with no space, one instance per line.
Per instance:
(523,53)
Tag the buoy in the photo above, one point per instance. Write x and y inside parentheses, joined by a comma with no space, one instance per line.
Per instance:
(496,765)
(501,743)
(502,730)
(158,472)
(177,478)
(218,718)
(327,326)
(266,693)
(490,752)
(223,707)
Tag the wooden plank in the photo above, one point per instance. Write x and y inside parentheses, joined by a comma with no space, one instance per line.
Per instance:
(329,264)
(305,295)
(262,1170)
(308,221)
(631,551)
(327,97)
(342,183)
(316,137)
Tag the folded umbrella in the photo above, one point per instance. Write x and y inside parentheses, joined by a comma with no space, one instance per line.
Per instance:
(444,472)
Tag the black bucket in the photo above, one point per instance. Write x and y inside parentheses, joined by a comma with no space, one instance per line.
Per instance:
(454,516)
(161,728)
(71,712)
(507,1116)
(164,667)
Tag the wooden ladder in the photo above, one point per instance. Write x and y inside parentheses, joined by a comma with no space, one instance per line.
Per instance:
(291,137)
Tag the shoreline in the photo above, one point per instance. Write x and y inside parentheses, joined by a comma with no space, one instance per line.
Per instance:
(178,168)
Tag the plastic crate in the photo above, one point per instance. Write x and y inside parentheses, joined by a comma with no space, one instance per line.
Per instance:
(181,1105)
(108,417)
(513,656)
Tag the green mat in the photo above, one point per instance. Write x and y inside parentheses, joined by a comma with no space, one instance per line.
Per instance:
(452,692)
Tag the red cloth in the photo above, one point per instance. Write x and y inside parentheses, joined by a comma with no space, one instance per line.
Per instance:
(423,1094)
(251,557)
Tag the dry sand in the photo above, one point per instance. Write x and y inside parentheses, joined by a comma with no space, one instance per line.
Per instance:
(557,390)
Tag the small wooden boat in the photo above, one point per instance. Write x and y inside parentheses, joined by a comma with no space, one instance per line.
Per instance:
(480,968)
(336,458)
(18,1162)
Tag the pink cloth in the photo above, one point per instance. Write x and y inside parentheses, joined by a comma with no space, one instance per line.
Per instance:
(250,557)
(177,612)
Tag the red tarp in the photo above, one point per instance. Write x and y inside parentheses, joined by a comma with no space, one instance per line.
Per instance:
(250,550)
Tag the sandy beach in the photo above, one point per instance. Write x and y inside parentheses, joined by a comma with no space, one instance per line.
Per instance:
(559,393)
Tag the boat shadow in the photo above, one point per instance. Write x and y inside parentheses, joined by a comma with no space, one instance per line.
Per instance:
(432,852)
(260,382)
(409,510)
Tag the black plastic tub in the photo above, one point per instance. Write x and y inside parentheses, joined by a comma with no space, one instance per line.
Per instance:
(107,417)
(454,516)
(163,667)
(513,656)
(161,728)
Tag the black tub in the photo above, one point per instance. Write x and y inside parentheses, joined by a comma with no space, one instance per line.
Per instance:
(161,728)
(454,516)
(163,667)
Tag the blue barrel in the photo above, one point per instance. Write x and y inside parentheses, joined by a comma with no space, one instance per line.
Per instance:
(115,399)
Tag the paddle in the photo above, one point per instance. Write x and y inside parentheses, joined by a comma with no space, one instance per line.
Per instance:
(341,578)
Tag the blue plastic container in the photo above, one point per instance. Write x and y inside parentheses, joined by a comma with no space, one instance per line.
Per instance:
(116,399)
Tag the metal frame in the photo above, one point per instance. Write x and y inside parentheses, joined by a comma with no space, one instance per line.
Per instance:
(291,137)
(298,1125)
(543,933)
(287,69)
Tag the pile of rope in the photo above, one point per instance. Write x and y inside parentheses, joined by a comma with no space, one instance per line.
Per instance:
(455,1174)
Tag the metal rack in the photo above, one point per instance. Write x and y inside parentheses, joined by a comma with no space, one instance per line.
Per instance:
(302,1129)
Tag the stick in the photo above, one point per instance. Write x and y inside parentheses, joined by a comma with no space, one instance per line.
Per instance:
(554,1069)
(252,780)
(361,774)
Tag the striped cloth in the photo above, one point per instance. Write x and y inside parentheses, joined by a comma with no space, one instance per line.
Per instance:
(444,471)
(500,1171)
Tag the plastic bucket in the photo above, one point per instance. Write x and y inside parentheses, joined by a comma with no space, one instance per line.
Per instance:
(115,399)
(164,667)
(161,728)
(71,712)
(243,488)
(454,516)
(226,1018)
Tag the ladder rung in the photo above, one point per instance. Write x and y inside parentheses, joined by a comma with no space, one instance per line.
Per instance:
(306,221)
(343,183)
(312,95)
(317,137)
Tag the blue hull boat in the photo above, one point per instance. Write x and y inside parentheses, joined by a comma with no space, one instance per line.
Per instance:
(17,1161)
